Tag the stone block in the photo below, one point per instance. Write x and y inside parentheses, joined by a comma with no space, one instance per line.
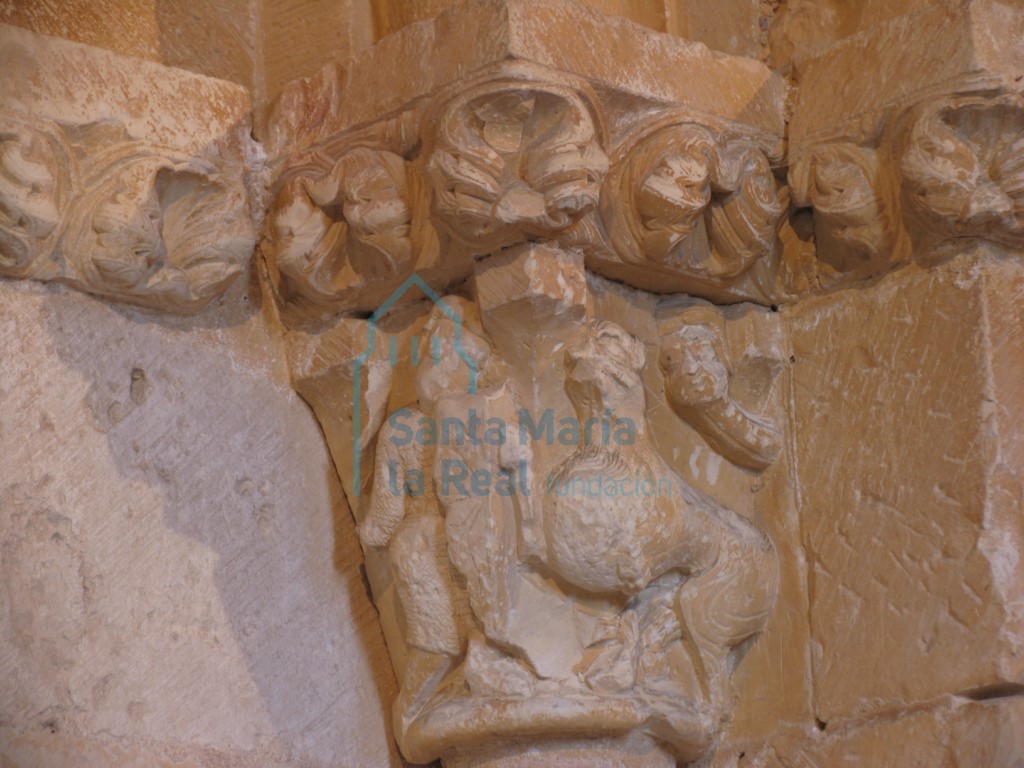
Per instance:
(908,464)
(178,565)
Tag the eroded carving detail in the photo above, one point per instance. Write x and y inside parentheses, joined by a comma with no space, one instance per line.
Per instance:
(119,218)
(698,370)
(963,169)
(701,206)
(532,603)
(513,161)
(856,209)
(34,181)
(914,187)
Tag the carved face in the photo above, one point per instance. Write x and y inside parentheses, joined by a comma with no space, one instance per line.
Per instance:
(602,366)
(963,169)
(514,161)
(693,362)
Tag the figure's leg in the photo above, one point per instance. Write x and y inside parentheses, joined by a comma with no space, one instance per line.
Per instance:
(419,560)
(482,546)
(729,603)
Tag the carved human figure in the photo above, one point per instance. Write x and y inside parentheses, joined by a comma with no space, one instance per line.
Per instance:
(695,361)
(623,546)
(405,515)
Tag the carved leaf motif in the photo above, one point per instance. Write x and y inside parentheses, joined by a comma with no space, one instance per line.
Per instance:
(514,161)
(33,181)
(962,168)
(341,231)
(88,207)
(693,204)
(156,232)
(855,207)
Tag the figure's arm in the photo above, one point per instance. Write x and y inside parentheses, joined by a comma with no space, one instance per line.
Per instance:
(695,364)
(738,435)
(387,499)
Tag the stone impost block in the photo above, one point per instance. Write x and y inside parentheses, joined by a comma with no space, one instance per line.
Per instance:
(121,177)
(508,121)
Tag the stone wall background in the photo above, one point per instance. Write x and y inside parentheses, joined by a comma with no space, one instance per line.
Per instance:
(180,570)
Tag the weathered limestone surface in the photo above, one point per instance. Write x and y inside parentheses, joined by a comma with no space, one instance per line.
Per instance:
(909,498)
(179,572)
(259,44)
(802,27)
(950,732)
(180,575)
(121,177)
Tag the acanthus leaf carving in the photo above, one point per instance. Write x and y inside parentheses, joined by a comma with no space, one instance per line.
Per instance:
(34,181)
(962,169)
(693,204)
(855,207)
(361,223)
(512,161)
(120,218)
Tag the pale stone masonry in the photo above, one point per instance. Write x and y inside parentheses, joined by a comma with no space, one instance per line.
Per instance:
(511,383)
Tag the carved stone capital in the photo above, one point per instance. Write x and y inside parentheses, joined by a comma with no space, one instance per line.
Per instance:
(911,167)
(475,208)
(661,185)
(131,184)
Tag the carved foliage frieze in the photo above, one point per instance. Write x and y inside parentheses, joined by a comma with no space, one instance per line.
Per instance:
(690,205)
(937,175)
(124,219)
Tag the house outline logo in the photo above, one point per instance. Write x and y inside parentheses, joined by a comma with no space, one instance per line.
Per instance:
(414,280)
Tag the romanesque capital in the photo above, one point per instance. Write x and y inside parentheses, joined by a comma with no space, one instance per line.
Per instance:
(120,177)
(501,268)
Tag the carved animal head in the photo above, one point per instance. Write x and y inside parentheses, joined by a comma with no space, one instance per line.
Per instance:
(602,368)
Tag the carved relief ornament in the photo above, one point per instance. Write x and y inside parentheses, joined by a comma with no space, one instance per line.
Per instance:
(684,204)
(122,219)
